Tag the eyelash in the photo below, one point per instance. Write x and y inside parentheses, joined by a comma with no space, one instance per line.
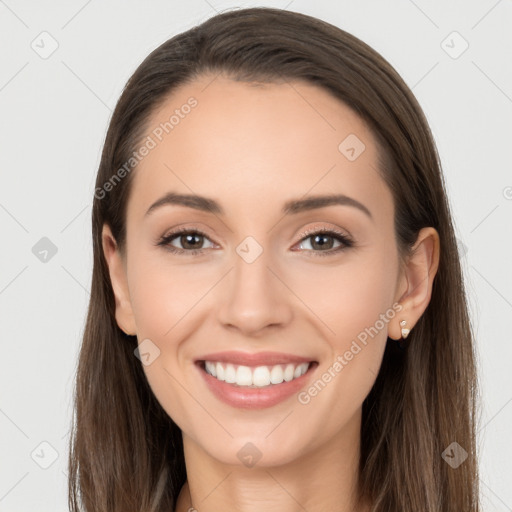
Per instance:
(344,239)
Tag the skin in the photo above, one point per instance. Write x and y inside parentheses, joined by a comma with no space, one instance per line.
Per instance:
(264,144)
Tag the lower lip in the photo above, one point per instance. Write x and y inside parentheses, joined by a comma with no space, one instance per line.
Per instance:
(253,398)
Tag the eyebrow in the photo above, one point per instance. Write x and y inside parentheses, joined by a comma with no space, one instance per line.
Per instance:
(290,207)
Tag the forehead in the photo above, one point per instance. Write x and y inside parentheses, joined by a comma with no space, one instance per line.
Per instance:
(253,145)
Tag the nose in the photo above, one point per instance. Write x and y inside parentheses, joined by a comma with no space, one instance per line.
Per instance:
(253,297)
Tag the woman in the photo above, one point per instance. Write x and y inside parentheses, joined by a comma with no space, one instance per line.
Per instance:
(224,364)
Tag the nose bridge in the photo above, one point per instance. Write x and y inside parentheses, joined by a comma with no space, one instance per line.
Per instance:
(253,296)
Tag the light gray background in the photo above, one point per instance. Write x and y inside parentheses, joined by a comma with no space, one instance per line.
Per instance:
(54,114)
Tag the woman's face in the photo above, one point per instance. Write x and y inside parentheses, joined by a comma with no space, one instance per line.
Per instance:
(261,282)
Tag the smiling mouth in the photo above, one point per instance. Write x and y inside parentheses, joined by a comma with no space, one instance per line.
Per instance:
(255,377)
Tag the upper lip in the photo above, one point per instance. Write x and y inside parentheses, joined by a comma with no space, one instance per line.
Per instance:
(258,359)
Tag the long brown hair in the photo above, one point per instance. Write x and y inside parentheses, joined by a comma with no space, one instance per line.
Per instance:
(126,453)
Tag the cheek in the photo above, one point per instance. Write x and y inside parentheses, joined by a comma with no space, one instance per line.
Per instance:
(347,305)
(344,299)
(353,304)
(350,296)
(163,297)
(162,294)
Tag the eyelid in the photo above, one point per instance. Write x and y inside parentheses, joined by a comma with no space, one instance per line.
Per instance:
(322,228)
(303,234)
(185,227)
(176,232)
(346,239)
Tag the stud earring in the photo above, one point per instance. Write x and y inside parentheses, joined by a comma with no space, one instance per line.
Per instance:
(405,332)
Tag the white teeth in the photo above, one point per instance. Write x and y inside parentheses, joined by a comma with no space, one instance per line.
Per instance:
(277,376)
(258,377)
(288,373)
(261,376)
(244,376)
(220,371)
(230,374)
(211,368)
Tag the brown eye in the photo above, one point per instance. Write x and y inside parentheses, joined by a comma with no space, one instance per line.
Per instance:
(322,242)
(191,241)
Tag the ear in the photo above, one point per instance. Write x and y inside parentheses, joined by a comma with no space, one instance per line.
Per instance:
(117,270)
(416,280)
